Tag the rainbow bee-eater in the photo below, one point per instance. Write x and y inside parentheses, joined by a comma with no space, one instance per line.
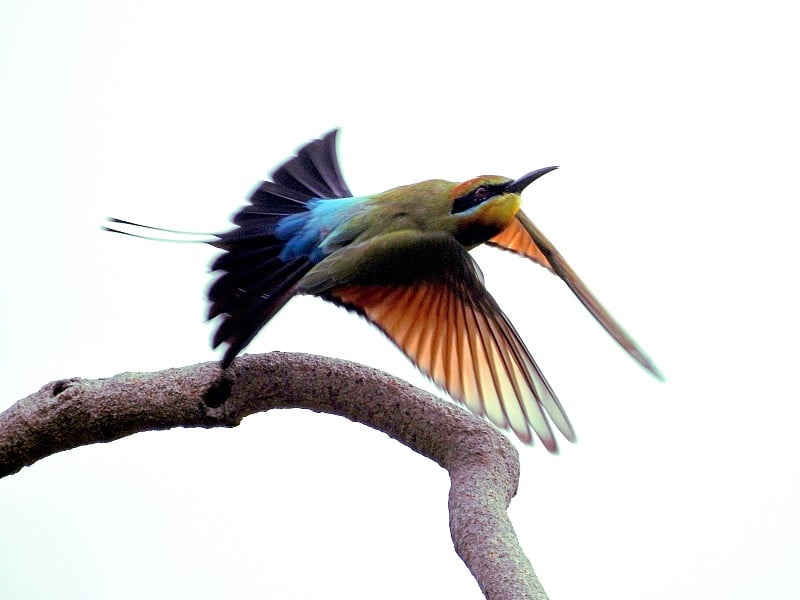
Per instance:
(400,259)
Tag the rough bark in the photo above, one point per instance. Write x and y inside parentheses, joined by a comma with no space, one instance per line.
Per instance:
(483,465)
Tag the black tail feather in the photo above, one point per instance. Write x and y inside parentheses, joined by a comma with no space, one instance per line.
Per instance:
(269,192)
(255,282)
(323,156)
(239,261)
(257,295)
(251,276)
(314,171)
(252,312)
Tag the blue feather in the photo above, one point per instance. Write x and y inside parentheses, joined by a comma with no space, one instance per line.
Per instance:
(305,232)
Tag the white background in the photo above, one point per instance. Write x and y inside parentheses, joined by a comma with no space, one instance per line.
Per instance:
(676,128)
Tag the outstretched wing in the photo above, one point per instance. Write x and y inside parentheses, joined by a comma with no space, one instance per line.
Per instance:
(523,237)
(516,239)
(424,292)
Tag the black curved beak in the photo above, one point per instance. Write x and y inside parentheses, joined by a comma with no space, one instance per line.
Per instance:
(516,186)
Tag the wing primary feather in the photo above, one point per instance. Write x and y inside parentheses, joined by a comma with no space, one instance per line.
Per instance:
(380,304)
(491,391)
(541,390)
(389,317)
(456,347)
(414,334)
(496,410)
(502,361)
(402,314)
(460,343)
(437,367)
(468,364)
(413,314)
(447,343)
(550,402)
(450,358)
(435,339)
(478,350)
(428,326)
(429,333)
(513,364)
(562,268)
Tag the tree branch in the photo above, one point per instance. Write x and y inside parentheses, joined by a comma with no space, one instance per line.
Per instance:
(483,465)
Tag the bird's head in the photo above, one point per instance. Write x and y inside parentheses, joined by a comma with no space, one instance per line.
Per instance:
(486,205)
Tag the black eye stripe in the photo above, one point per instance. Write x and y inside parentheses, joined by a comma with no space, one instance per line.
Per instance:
(477,196)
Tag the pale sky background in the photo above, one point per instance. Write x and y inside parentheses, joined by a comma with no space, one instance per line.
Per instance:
(676,129)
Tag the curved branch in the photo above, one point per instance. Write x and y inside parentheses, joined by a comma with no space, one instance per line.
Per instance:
(483,465)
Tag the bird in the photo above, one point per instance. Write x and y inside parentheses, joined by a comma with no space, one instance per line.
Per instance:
(400,259)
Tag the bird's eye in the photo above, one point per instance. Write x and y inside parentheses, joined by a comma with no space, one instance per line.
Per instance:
(471,199)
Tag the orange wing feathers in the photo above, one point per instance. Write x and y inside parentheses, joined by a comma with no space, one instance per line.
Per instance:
(516,239)
(468,347)
(525,233)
